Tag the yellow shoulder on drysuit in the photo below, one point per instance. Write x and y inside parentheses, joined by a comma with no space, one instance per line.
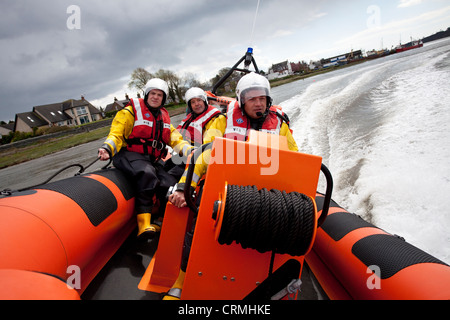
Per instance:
(178,144)
(121,128)
(218,127)
(285,131)
(215,128)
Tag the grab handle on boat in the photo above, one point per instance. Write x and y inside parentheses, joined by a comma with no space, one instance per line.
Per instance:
(329,190)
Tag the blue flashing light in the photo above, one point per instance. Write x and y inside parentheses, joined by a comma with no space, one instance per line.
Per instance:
(250,50)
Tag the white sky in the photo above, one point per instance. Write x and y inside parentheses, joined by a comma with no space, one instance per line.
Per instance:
(43,61)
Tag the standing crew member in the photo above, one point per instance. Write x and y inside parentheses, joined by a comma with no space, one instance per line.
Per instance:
(136,142)
(253,110)
(199,119)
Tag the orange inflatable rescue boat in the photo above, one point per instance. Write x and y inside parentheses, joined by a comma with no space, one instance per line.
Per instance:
(262,228)
(57,237)
(62,233)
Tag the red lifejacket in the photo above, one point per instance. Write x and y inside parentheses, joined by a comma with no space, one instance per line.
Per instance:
(155,132)
(238,124)
(192,129)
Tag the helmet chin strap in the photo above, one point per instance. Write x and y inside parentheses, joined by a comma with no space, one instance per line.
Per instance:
(162,104)
(150,107)
(192,110)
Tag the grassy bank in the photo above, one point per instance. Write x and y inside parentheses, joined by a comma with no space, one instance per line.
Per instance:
(15,156)
(288,79)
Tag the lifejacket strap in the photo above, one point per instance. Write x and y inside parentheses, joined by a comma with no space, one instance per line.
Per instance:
(155,144)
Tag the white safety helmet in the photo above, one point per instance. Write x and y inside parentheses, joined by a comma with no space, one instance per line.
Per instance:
(252,85)
(159,84)
(195,93)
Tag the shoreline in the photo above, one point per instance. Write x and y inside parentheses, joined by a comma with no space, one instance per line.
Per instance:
(288,79)
(29,152)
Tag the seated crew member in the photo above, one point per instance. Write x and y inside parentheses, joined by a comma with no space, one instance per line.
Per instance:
(136,142)
(199,119)
(252,111)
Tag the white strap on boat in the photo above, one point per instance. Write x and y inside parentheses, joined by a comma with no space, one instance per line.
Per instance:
(175,292)
(292,287)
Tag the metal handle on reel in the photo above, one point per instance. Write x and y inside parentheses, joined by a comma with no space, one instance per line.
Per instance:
(187,187)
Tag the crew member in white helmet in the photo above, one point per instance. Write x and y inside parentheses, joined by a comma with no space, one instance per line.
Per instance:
(198,120)
(138,139)
(253,110)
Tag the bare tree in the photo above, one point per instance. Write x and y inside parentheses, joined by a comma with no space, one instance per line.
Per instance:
(177,85)
(139,79)
(190,80)
(230,84)
(175,88)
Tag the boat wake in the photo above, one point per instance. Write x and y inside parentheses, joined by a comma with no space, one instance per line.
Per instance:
(382,128)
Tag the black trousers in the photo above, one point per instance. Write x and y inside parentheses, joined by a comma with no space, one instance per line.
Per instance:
(175,168)
(149,179)
(189,235)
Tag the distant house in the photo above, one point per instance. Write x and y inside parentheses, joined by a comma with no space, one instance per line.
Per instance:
(280,70)
(299,67)
(54,114)
(118,104)
(6,129)
(27,121)
(68,113)
(81,111)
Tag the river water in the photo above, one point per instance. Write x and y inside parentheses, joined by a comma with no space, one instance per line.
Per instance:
(382,129)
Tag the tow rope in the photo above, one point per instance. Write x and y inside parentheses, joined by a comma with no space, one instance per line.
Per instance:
(9,192)
(268,220)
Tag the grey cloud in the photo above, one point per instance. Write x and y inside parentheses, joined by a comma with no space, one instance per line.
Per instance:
(42,61)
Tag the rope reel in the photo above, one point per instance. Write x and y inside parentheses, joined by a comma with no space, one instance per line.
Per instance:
(267,221)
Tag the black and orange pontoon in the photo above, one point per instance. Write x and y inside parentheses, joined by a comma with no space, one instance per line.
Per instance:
(261,228)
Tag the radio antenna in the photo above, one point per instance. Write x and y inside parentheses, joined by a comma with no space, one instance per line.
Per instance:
(254,23)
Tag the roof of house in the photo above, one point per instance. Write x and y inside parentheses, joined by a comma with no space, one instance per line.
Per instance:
(280,66)
(9,126)
(119,103)
(32,119)
(52,112)
(72,103)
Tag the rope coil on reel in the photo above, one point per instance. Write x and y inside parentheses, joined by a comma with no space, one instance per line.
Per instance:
(267,221)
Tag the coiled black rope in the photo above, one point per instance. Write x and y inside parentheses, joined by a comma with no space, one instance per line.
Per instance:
(268,220)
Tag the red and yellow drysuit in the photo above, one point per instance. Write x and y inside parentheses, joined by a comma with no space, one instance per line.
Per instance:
(137,140)
(236,125)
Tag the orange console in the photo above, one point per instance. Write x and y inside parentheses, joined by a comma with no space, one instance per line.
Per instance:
(229,271)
